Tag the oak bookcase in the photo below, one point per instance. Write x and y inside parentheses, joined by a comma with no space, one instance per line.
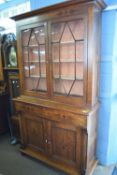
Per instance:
(59,55)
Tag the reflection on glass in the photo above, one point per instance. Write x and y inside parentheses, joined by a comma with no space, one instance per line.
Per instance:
(25,54)
(40,34)
(34,70)
(26,70)
(42,52)
(33,41)
(25,37)
(33,54)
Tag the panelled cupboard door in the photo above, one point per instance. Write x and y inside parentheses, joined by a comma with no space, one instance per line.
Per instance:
(67,144)
(33,132)
(34,58)
(64,143)
(68,44)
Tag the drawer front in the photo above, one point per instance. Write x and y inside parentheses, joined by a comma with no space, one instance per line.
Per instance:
(52,114)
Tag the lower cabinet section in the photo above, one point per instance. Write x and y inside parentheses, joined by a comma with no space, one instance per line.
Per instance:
(60,143)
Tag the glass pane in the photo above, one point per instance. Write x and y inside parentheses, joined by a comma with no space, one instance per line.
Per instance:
(64,70)
(42,85)
(31,83)
(67,52)
(33,40)
(79,51)
(34,56)
(57,31)
(55,52)
(59,87)
(68,71)
(79,71)
(25,37)
(26,69)
(67,87)
(42,53)
(67,36)
(34,69)
(35,84)
(62,86)
(25,54)
(77,28)
(40,34)
(43,69)
(77,89)
(68,57)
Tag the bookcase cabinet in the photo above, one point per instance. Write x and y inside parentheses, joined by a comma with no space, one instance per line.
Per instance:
(58,58)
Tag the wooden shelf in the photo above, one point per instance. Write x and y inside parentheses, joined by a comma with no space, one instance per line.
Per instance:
(41,61)
(68,42)
(57,77)
(67,61)
(73,95)
(33,45)
(62,77)
(37,76)
(57,61)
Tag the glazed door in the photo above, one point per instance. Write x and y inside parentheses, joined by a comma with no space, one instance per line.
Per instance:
(68,54)
(35,58)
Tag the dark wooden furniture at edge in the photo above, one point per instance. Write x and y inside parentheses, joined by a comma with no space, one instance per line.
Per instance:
(3,99)
(3,113)
(59,55)
(9,83)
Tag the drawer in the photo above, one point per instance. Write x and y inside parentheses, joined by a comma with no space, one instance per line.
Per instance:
(52,114)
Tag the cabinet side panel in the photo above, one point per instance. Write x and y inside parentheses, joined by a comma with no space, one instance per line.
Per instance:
(96,65)
(92,137)
(94,16)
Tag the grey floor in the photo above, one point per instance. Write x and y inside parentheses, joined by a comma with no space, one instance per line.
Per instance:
(13,163)
(101,170)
